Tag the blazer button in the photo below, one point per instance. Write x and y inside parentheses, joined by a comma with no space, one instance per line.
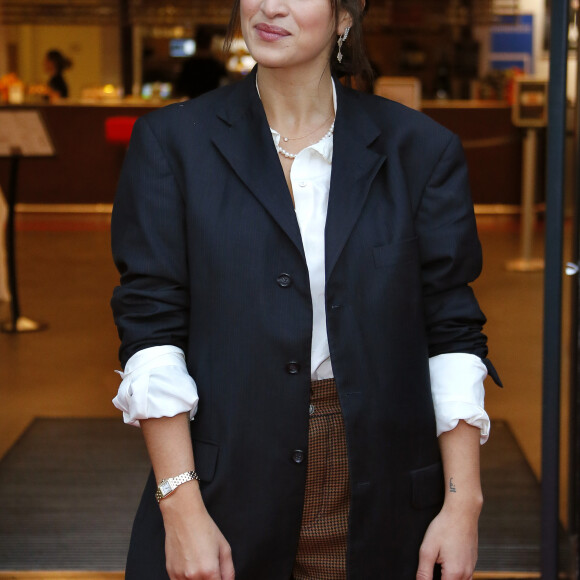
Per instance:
(293,368)
(298,456)
(284,280)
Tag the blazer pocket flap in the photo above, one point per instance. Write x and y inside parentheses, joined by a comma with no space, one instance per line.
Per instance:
(389,254)
(427,486)
(205,455)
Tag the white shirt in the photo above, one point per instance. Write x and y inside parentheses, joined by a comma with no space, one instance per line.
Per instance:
(310,178)
(156,382)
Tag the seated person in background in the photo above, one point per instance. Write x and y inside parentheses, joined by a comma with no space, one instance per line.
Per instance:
(202,72)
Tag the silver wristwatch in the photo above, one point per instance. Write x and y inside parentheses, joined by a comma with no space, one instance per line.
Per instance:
(168,486)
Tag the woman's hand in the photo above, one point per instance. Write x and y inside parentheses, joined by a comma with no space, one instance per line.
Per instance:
(195,549)
(451,540)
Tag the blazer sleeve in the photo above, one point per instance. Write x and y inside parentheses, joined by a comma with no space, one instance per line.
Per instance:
(451,259)
(150,306)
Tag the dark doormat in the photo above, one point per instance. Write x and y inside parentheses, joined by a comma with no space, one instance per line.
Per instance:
(510,523)
(69,489)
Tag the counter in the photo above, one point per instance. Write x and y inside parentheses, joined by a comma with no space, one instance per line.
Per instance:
(492,144)
(86,168)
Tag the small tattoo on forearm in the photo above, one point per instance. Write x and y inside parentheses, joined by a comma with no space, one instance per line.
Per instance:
(452,487)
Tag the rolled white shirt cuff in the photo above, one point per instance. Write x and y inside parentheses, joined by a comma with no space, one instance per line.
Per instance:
(458,392)
(156,384)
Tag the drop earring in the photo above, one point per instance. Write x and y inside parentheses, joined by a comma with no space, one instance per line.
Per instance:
(341,41)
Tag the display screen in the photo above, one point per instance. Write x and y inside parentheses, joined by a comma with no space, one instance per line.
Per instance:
(156,91)
(181,47)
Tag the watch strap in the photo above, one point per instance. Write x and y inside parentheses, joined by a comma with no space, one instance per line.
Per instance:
(167,486)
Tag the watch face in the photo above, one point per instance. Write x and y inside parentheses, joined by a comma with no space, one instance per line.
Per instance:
(165,487)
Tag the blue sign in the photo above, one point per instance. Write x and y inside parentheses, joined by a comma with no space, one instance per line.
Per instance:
(512,43)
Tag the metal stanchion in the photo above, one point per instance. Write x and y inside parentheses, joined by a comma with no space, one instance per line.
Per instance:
(17,323)
(527,263)
(530,112)
(22,134)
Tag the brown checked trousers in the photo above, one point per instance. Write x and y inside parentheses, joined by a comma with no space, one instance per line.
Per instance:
(322,545)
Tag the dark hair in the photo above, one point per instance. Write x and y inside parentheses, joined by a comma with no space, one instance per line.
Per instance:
(355,62)
(60,62)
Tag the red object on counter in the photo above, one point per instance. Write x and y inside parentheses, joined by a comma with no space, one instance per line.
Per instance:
(118,129)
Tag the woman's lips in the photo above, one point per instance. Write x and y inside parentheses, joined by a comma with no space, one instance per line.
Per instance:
(271,33)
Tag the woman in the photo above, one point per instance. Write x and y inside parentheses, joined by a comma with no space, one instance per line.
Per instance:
(55,63)
(297,255)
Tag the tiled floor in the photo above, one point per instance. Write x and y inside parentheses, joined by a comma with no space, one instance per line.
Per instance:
(66,277)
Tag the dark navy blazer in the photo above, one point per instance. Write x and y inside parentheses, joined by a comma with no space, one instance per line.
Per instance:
(203,230)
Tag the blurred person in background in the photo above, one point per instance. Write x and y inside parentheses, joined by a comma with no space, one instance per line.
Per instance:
(55,63)
(203,72)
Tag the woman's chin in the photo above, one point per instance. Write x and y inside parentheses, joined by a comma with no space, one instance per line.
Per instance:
(271,59)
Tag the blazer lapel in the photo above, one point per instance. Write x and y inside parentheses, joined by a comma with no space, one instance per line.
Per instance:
(245,141)
(354,166)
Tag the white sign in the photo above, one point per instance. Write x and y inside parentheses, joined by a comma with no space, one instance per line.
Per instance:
(24,133)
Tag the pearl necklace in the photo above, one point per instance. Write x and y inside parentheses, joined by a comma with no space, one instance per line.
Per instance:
(282,151)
